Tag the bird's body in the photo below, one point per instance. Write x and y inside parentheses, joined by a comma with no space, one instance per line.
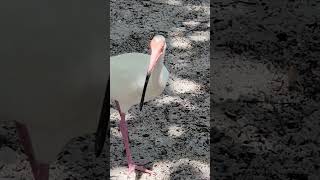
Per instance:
(127,75)
(136,78)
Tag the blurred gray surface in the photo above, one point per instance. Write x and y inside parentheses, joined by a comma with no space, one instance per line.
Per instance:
(260,128)
(53,70)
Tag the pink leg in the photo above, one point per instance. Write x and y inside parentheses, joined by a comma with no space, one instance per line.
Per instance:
(125,136)
(39,171)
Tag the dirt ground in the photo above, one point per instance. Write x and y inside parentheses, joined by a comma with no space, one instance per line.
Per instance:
(259,128)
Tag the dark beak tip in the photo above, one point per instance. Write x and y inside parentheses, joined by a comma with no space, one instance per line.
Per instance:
(144,90)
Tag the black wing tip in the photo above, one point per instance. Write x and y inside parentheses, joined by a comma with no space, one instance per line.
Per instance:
(144,90)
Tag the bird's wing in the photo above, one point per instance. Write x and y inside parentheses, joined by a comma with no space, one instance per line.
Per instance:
(127,72)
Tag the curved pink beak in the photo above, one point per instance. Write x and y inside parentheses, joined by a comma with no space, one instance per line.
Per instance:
(156,52)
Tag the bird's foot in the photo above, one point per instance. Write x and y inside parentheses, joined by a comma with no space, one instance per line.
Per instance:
(133,167)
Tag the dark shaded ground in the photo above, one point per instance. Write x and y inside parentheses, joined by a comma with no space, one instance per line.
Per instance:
(260,129)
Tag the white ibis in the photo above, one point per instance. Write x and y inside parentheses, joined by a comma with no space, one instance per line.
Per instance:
(130,75)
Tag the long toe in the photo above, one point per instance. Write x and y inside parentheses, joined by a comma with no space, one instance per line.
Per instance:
(133,167)
(142,169)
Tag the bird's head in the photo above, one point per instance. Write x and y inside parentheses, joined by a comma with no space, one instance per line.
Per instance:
(158,47)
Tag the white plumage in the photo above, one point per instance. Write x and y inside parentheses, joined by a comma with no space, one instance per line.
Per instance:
(136,78)
(127,76)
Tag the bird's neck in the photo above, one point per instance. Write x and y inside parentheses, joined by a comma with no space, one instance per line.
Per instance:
(157,69)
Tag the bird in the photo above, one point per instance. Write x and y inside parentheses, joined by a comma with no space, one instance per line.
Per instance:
(136,78)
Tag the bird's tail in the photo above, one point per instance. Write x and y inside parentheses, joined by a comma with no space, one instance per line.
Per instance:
(104,123)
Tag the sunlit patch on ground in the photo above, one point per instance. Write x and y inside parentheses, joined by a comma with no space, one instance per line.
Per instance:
(180,42)
(174,2)
(200,36)
(184,86)
(191,24)
(167,170)
(175,131)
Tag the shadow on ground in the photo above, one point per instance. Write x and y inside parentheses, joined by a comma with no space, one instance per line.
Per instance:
(260,129)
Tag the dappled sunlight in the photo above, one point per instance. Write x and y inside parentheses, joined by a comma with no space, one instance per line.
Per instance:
(164,169)
(180,42)
(115,132)
(174,2)
(191,24)
(204,8)
(179,86)
(114,115)
(172,166)
(119,173)
(175,131)
(167,100)
(177,31)
(200,36)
